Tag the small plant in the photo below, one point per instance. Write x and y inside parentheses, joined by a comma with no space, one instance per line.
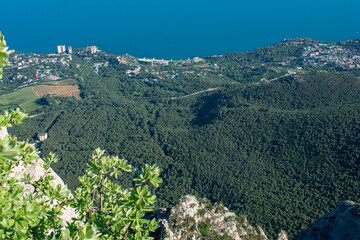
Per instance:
(4,53)
(203,228)
(201,212)
(116,212)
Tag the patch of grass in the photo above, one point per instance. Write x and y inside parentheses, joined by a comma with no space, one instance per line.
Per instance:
(69,81)
(275,69)
(201,65)
(24,98)
(201,212)
(203,228)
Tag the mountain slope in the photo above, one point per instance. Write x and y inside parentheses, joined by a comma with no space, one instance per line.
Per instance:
(283,152)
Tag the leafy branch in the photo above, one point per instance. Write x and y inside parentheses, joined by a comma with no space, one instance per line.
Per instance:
(4,53)
(116,212)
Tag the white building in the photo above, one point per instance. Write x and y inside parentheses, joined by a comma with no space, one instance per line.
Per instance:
(61,48)
(70,49)
(153,61)
(92,49)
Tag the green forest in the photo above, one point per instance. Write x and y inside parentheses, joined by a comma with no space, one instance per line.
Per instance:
(283,153)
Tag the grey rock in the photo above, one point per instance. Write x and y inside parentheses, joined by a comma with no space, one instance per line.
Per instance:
(194,218)
(3,132)
(36,170)
(282,236)
(342,223)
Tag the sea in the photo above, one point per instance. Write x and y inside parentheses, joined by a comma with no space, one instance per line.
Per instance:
(173,29)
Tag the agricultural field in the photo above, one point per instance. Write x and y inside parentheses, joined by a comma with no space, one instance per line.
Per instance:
(62,91)
(29,98)
(24,98)
(64,88)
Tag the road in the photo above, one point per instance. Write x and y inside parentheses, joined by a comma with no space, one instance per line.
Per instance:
(196,93)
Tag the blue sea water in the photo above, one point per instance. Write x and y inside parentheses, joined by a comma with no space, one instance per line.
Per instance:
(173,29)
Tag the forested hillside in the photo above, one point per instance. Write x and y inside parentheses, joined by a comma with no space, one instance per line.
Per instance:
(282,152)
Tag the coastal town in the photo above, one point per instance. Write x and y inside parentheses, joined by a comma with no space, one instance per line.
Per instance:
(45,66)
(28,69)
(323,54)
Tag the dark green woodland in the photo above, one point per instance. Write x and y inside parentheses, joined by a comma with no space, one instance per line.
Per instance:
(281,148)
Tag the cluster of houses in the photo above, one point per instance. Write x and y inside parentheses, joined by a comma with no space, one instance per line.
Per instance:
(135,71)
(50,74)
(173,73)
(42,63)
(164,74)
(98,65)
(24,60)
(160,75)
(323,54)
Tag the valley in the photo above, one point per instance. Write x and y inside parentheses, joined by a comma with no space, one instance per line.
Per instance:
(282,152)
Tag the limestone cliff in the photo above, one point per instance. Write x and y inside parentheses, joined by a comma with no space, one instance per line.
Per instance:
(194,218)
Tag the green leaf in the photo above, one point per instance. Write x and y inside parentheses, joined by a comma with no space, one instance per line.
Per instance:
(145,190)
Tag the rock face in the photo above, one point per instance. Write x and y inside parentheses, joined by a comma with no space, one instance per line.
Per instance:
(343,223)
(282,236)
(3,132)
(37,171)
(194,218)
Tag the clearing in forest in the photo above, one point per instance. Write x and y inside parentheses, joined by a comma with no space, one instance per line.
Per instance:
(24,98)
(29,98)
(61,88)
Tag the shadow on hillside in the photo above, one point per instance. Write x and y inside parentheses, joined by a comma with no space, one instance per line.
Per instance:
(206,109)
(41,101)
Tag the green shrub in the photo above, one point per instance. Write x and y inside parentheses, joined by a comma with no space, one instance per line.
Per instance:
(105,209)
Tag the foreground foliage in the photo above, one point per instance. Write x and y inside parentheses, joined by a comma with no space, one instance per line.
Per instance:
(32,208)
(105,209)
(4,53)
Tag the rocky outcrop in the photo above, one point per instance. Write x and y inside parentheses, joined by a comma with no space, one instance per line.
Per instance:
(37,171)
(194,218)
(282,236)
(3,132)
(343,223)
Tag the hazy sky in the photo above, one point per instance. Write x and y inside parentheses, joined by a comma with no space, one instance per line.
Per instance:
(174,29)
